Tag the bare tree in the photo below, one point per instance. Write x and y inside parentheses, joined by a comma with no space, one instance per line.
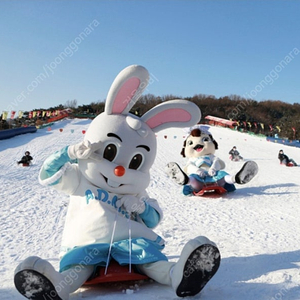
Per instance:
(71,104)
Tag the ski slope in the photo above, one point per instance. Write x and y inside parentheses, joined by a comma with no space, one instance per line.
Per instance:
(257,228)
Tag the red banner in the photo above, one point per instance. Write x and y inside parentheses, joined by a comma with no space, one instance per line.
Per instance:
(12,114)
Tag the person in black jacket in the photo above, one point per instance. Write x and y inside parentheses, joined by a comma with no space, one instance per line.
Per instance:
(285,160)
(26,159)
(234,154)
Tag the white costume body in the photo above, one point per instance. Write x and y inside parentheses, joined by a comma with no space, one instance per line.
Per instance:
(92,212)
(95,218)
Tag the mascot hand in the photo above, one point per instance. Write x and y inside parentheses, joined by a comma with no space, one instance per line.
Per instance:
(133,204)
(84,150)
(212,172)
(202,173)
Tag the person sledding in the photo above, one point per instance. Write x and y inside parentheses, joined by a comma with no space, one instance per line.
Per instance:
(26,159)
(203,168)
(285,160)
(234,154)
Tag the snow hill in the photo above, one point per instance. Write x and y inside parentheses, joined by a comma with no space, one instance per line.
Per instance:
(257,228)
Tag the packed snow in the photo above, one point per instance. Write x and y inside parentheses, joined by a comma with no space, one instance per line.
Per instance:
(256,228)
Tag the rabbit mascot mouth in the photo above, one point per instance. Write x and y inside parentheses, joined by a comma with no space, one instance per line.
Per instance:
(203,169)
(110,215)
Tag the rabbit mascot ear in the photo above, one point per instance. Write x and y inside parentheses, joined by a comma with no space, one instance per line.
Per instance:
(126,90)
(123,94)
(172,113)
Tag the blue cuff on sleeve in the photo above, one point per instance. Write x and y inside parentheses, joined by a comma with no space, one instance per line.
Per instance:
(150,216)
(55,161)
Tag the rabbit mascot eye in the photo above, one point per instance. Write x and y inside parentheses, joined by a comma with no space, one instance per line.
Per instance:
(204,171)
(110,215)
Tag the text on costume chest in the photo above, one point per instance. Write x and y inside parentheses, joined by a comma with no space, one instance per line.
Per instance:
(104,197)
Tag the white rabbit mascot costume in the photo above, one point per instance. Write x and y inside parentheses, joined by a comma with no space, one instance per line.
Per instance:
(106,177)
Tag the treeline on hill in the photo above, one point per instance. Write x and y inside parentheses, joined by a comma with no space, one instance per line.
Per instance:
(266,117)
(271,117)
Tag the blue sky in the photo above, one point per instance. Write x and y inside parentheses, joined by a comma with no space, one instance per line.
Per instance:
(55,51)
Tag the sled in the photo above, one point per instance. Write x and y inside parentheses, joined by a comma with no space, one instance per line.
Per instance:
(288,165)
(115,273)
(211,191)
(25,164)
(235,159)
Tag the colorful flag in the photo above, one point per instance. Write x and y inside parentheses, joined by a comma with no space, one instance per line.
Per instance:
(20,114)
(4,115)
(12,114)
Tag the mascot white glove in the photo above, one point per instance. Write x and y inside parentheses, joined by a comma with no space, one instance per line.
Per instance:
(84,150)
(212,172)
(217,165)
(133,204)
(201,172)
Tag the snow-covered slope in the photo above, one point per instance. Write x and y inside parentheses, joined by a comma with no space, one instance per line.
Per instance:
(257,228)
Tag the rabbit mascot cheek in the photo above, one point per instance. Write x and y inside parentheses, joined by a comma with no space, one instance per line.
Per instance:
(110,215)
